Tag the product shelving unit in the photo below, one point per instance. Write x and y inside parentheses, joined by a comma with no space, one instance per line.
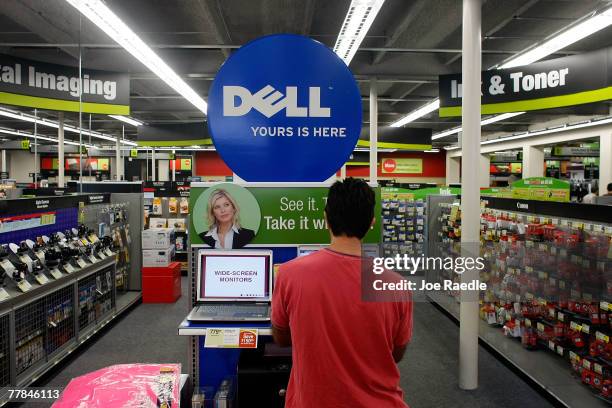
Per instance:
(42,326)
(157,207)
(549,289)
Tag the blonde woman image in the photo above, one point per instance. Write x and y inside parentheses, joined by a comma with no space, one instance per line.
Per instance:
(223,219)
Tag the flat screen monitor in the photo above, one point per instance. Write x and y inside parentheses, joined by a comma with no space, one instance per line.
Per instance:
(236,275)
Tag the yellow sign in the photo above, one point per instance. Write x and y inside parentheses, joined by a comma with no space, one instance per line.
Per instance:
(25,144)
(133,153)
(402,166)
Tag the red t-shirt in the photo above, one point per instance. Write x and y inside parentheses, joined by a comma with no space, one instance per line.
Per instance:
(342,347)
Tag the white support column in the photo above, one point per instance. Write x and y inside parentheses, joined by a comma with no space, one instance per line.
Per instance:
(118,164)
(173,165)
(485,170)
(453,170)
(533,162)
(4,166)
(373,131)
(605,162)
(470,191)
(60,151)
(153,169)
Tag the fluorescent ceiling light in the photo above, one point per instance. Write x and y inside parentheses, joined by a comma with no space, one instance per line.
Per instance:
(484,122)
(359,18)
(432,151)
(38,137)
(127,119)
(50,123)
(561,40)
(533,133)
(99,14)
(422,111)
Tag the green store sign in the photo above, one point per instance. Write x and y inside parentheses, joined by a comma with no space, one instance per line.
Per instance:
(277,215)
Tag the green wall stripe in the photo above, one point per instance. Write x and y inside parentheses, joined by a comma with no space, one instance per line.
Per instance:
(579,98)
(63,105)
(177,143)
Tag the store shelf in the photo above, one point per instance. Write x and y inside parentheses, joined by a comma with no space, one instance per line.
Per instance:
(548,372)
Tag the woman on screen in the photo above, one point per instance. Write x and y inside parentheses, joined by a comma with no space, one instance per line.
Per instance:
(224,230)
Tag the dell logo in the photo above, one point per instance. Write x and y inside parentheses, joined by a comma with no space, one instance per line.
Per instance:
(238,101)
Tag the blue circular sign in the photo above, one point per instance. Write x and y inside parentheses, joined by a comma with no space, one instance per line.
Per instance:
(284,108)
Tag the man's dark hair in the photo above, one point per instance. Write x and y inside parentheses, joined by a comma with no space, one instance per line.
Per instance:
(350,208)
(609,187)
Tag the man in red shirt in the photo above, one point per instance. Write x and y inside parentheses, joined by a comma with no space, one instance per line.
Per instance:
(345,350)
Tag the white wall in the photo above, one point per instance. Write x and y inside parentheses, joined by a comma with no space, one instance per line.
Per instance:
(163,170)
(21,164)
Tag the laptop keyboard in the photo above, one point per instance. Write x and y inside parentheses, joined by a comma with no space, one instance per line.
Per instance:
(235,310)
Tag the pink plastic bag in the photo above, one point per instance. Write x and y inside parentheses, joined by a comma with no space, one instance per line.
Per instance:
(125,385)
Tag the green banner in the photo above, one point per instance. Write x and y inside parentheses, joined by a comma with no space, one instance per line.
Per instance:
(542,189)
(277,215)
(398,193)
(504,192)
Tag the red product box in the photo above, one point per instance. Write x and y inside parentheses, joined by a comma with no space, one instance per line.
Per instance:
(161,285)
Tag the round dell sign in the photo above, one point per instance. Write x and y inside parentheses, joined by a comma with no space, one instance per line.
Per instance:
(284,108)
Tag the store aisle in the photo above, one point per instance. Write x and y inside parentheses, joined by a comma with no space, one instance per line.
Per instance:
(429,370)
(147,334)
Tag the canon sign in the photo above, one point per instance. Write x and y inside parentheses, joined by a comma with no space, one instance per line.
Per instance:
(238,101)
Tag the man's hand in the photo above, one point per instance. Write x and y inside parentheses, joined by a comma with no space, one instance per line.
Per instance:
(282,337)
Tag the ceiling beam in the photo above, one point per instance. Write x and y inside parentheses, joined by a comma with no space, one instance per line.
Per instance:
(209,12)
(400,28)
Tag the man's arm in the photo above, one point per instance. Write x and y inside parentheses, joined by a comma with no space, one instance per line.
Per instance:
(282,337)
(398,353)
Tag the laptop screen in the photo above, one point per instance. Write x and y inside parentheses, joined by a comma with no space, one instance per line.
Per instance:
(234,275)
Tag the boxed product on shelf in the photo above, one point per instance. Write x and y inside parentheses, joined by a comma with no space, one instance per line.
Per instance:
(158,223)
(157,257)
(158,238)
(179,224)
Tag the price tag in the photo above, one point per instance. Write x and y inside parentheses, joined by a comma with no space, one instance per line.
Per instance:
(93,238)
(564,223)
(586,329)
(542,301)
(93,259)
(7,266)
(81,262)
(609,230)
(551,345)
(56,273)
(553,250)
(40,255)
(108,252)
(555,221)
(586,364)
(4,294)
(101,255)
(561,317)
(542,247)
(41,279)
(598,368)
(540,327)
(24,285)
(551,313)
(561,284)
(604,306)
(529,296)
(69,268)
(529,244)
(560,350)
(573,356)
(575,326)
(231,338)
(542,275)
(563,253)
(602,337)
(527,323)
(528,269)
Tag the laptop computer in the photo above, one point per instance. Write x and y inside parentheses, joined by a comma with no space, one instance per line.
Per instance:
(233,285)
